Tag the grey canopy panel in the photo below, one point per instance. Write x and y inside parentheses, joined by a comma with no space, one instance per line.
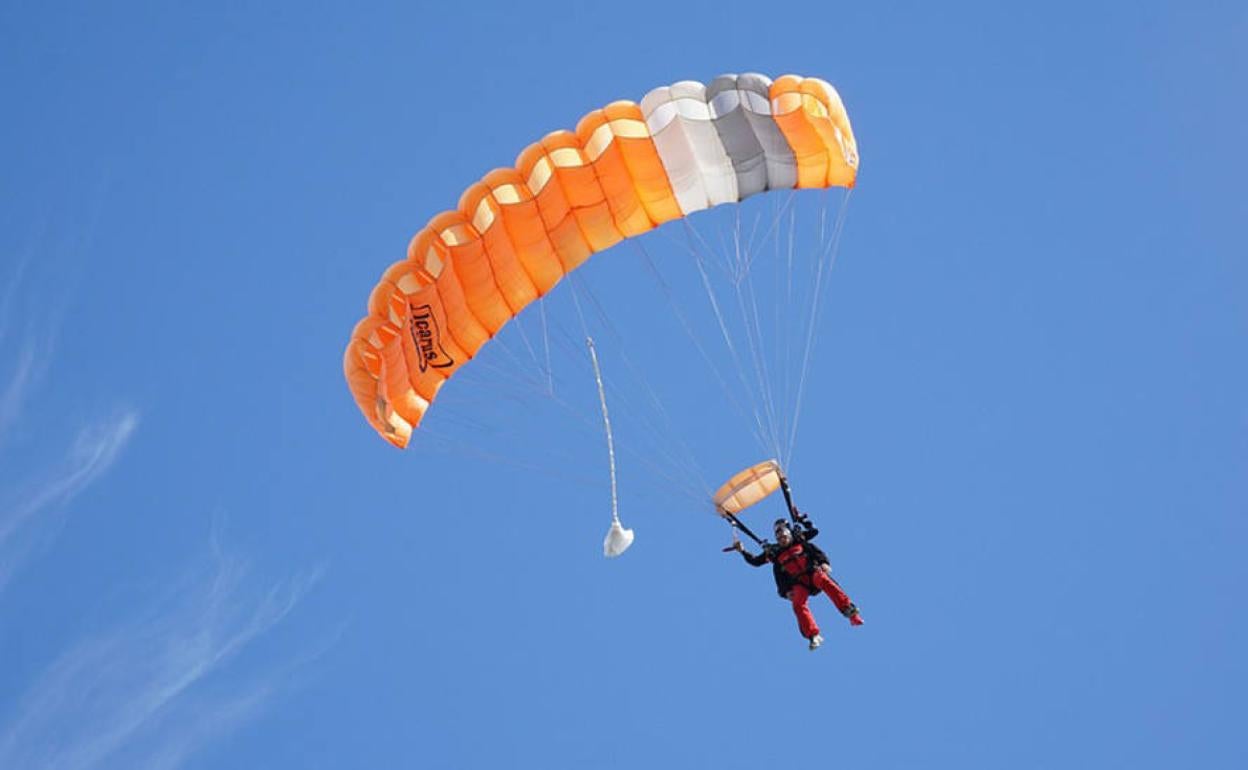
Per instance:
(738,137)
(755,92)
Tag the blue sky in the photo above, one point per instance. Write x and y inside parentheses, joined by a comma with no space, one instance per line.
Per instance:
(1025,436)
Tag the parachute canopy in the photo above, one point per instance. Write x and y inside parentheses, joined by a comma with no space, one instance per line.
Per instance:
(617,541)
(626,169)
(748,487)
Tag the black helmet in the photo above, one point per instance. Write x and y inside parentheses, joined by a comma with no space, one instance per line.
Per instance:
(780,523)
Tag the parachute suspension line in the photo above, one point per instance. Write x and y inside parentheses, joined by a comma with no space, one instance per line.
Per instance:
(550,374)
(693,336)
(777,308)
(738,264)
(755,346)
(727,256)
(823,216)
(664,439)
(684,487)
(515,376)
(803,306)
(827,259)
(519,370)
(750,250)
(522,392)
(760,432)
(776,414)
(666,433)
(789,314)
(618,539)
(788,340)
(765,361)
(717,258)
(468,449)
(754,248)
(734,256)
(738,525)
(787,207)
(529,346)
(776,219)
(701,258)
(754,335)
(453,419)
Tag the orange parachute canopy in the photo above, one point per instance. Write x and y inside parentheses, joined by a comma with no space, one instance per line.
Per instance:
(626,169)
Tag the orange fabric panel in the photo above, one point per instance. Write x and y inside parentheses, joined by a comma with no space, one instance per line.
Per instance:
(480,207)
(430,355)
(748,487)
(467,259)
(428,251)
(647,171)
(365,356)
(358,364)
(395,383)
(613,176)
(813,120)
(524,228)
(792,113)
(836,133)
(580,184)
(392,307)
(411,336)
(386,400)
(556,210)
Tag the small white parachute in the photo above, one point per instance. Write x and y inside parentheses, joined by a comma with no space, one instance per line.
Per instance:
(617,541)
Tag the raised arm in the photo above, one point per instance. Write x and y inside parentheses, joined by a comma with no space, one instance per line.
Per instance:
(751,559)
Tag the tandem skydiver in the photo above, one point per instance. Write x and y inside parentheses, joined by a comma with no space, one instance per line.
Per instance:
(801,570)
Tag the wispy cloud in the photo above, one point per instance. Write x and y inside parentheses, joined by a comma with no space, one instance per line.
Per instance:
(39,325)
(36,513)
(183,665)
(151,692)
(8,294)
(24,375)
(30,362)
(189,735)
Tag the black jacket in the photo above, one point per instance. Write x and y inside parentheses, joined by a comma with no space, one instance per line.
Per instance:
(815,557)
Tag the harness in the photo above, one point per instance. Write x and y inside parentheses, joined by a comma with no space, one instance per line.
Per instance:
(795,564)
(793,560)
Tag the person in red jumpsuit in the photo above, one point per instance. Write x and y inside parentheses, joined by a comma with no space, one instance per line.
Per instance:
(801,570)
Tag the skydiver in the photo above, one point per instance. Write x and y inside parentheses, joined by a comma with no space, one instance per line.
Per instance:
(801,570)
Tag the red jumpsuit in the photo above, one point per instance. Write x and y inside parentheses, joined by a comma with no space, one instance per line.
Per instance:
(800,574)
